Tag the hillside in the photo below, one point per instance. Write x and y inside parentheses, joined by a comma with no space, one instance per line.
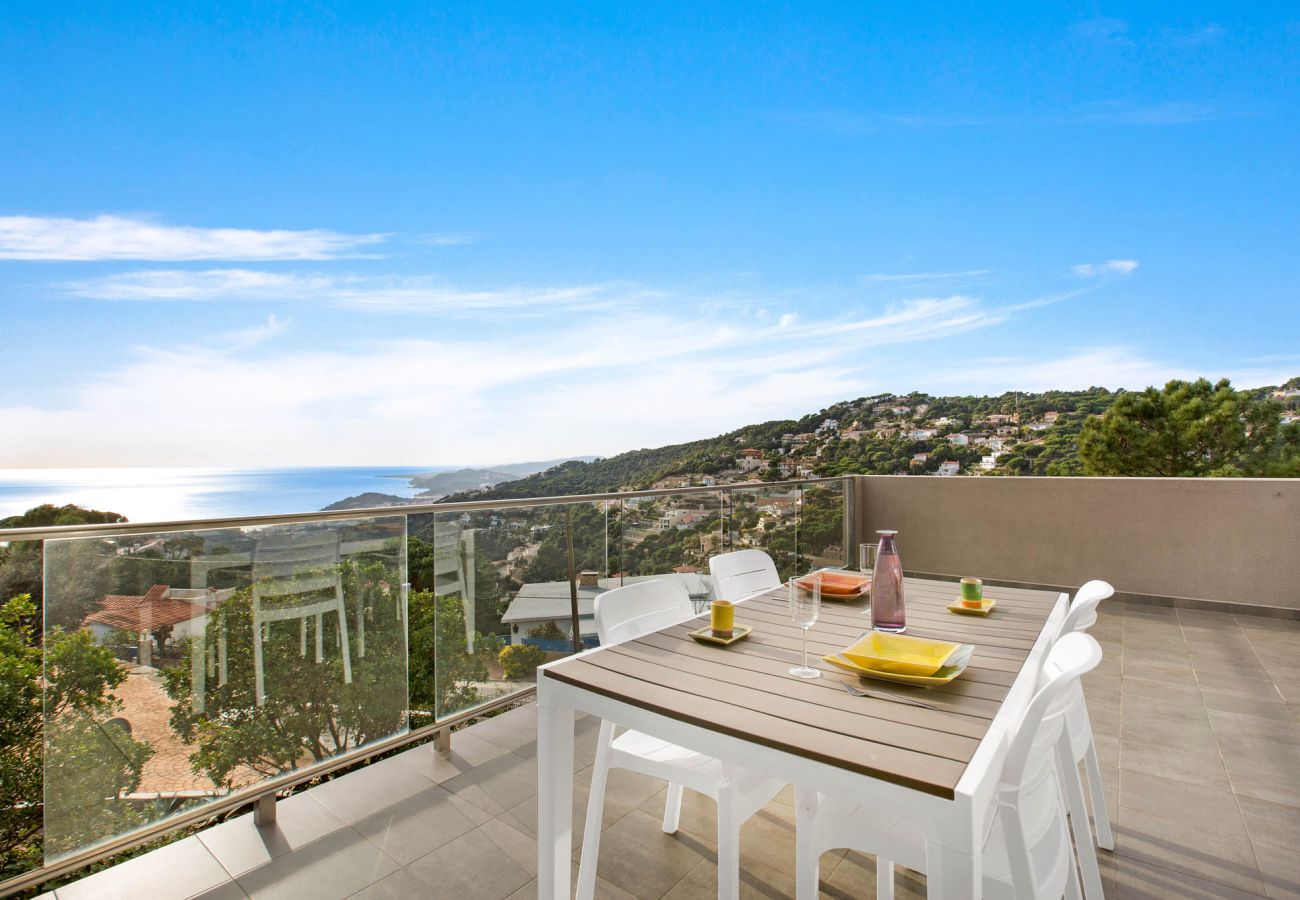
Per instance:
(1010,434)
(436,485)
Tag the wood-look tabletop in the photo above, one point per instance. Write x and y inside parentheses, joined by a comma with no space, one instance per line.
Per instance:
(745,690)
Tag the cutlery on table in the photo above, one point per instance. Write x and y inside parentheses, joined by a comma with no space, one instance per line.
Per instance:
(883,695)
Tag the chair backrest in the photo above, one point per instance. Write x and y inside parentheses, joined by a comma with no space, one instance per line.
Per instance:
(1083,608)
(446,548)
(741,573)
(1029,795)
(636,609)
(287,563)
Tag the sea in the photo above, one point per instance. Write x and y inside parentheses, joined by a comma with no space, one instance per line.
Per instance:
(169,494)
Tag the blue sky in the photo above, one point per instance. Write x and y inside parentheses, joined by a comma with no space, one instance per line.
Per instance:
(250,234)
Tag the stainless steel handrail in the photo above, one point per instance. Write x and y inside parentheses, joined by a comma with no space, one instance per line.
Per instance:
(52,532)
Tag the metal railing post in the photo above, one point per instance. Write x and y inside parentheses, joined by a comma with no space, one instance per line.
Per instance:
(264,811)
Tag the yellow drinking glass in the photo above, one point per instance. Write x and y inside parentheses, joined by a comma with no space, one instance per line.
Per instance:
(722,618)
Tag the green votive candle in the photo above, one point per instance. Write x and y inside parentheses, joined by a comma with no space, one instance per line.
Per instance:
(972,591)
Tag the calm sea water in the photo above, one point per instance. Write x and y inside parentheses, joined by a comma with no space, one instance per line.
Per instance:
(156,494)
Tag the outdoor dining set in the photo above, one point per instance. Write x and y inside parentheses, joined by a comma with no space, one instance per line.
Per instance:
(941,725)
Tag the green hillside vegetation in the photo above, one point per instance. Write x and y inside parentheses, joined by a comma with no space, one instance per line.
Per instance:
(870,439)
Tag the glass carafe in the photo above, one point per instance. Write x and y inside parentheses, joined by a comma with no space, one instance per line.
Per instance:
(887,610)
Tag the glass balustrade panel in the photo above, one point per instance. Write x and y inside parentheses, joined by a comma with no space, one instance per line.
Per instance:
(491,598)
(671,536)
(766,517)
(822,515)
(180,667)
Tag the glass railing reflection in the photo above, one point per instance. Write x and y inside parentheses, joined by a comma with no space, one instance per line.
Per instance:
(495,593)
(182,666)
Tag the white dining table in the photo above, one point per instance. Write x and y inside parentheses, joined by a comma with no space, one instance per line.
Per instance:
(937,768)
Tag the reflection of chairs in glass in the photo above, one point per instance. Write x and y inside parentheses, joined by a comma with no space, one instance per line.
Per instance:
(741,573)
(453,569)
(296,576)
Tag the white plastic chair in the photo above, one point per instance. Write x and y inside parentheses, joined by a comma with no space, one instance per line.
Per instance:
(1081,617)
(296,576)
(741,573)
(621,615)
(1026,851)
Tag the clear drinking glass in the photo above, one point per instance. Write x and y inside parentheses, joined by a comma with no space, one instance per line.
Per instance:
(805,605)
(867,558)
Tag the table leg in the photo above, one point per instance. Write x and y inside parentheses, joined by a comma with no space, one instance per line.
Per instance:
(554,796)
(951,874)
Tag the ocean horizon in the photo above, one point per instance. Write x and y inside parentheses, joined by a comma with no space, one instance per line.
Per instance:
(155,494)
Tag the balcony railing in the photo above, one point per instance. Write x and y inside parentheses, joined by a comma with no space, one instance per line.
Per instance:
(192,667)
(432,595)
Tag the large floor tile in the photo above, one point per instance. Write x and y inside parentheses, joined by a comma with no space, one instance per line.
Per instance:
(337,866)
(1137,880)
(420,824)
(1280,869)
(854,877)
(371,789)
(1186,804)
(1271,823)
(498,784)
(510,729)
(1264,705)
(1193,765)
(1284,789)
(636,856)
(1244,752)
(473,865)
(524,816)
(604,890)
(757,882)
(467,751)
(401,885)
(1217,851)
(239,845)
(175,872)
(1281,727)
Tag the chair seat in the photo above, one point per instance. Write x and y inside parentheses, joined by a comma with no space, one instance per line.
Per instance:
(671,762)
(903,842)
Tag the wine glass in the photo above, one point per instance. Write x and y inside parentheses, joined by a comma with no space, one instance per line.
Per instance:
(805,605)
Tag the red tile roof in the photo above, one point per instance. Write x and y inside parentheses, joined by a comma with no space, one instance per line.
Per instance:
(154,609)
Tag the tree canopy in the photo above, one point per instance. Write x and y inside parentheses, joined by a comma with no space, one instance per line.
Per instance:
(1190,429)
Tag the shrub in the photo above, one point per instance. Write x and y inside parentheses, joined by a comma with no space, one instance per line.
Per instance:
(520,660)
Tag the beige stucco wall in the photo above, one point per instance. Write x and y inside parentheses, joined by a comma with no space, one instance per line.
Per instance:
(1229,539)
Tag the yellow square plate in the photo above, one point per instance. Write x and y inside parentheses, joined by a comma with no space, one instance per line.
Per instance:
(899,654)
(943,676)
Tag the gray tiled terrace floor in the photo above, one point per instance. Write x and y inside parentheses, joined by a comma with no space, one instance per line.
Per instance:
(1197,717)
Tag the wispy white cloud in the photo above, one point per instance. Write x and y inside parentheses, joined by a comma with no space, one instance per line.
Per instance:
(391,293)
(1108,366)
(587,384)
(1109,267)
(922,277)
(120,238)
(448,238)
(1168,112)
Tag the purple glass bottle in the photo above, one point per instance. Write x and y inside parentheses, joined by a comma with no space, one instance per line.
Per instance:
(887,609)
